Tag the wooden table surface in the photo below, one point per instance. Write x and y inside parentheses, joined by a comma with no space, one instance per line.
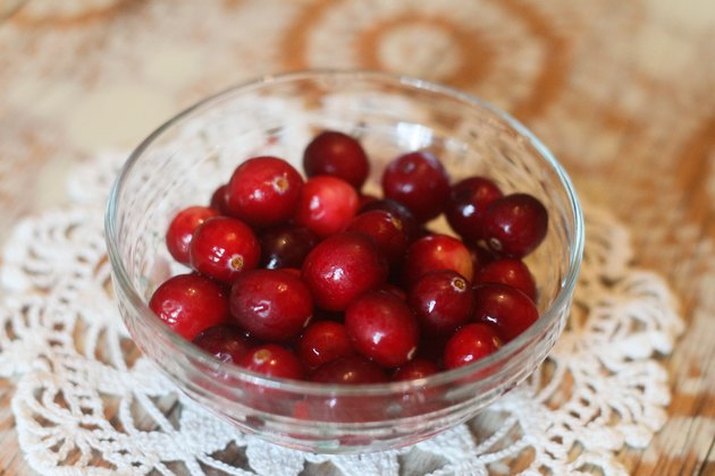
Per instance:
(622,91)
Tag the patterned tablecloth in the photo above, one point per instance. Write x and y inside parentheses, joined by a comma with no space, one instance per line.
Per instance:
(622,92)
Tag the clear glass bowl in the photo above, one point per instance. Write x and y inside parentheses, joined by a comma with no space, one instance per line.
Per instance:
(183,161)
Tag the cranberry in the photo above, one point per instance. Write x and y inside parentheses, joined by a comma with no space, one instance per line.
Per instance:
(508,309)
(386,231)
(286,246)
(326,205)
(509,271)
(415,369)
(435,252)
(271,304)
(418,181)
(226,343)
(337,154)
(382,327)
(399,211)
(322,342)
(274,361)
(469,344)
(341,268)
(189,304)
(469,199)
(223,248)
(181,229)
(353,370)
(515,224)
(264,191)
(442,300)
(218,199)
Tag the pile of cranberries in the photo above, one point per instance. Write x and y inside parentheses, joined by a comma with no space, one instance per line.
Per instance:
(310,279)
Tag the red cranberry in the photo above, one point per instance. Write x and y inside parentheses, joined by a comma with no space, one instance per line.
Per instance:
(223,248)
(469,344)
(274,361)
(415,369)
(218,199)
(435,252)
(189,304)
(337,154)
(508,309)
(353,370)
(271,304)
(322,342)
(341,268)
(226,343)
(386,231)
(468,202)
(264,191)
(382,327)
(515,224)
(286,247)
(326,205)
(399,211)
(509,271)
(181,229)
(418,181)
(442,300)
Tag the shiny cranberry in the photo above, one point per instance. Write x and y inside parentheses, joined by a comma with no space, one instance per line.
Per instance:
(218,199)
(469,344)
(353,370)
(223,248)
(382,327)
(386,230)
(286,246)
(181,229)
(511,271)
(442,300)
(435,252)
(326,205)
(469,199)
(341,268)
(274,361)
(264,191)
(515,224)
(506,308)
(189,304)
(271,304)
(399,211)
(226,343)
(322,342)
(415,369)
(337,154)
(418,181)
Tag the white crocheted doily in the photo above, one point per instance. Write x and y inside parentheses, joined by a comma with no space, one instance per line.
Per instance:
(86,403)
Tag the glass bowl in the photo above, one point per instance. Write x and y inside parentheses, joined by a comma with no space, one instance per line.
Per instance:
(184,160)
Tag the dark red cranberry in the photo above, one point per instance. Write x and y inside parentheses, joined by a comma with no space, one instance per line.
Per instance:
(435,252)
(322,342)
(415,369)
(326,205)
(509,310)
(353,370)
(382,327)
(386,230)
(337,154)
(190,304)
(223,248)
(399,211)
(226,343)
(511,271)
(442,300)
(271,304)
(469,344)
(181,229)
(274,361)
(469,199)
(286,246)
(418,181)
(218,199)
(515,224)
(341,268)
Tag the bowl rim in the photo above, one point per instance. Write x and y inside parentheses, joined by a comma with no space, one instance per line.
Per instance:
(503,355)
